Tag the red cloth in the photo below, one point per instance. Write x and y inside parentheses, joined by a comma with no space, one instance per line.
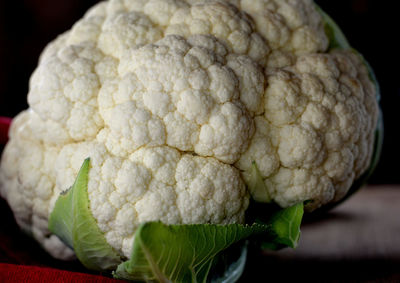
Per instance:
(21,273)
(4,125)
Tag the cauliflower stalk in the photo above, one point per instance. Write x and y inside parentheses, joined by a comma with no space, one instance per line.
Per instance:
(183,106)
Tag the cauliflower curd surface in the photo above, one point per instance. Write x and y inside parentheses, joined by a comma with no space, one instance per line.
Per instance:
(173,100)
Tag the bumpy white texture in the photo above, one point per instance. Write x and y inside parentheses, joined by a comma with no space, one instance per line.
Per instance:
(192,103)
(153,183)
(173,100)
(317,132)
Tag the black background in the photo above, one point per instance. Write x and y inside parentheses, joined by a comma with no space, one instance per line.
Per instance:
(26,26)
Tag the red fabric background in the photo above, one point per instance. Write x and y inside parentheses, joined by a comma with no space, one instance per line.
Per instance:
(4,125)
(22,273)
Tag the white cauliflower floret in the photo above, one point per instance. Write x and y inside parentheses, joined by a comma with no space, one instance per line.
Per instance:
(320,127)
(28,183)
(68,83)
(153,183)
(192,104)
(173,101)
(288,25)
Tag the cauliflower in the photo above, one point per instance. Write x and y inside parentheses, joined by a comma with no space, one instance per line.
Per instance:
(174,101)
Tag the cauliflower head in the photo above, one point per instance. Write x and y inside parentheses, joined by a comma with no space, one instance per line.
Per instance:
(174,100)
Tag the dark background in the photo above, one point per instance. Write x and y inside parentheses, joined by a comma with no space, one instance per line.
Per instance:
(26,26)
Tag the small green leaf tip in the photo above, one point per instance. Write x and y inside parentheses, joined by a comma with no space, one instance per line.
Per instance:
(285,224)
(72,221)
(256,185)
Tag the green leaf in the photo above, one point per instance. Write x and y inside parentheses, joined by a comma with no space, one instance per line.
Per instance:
(72,221)
(336,37)
(256,185)
(185,253)
(180,253)
(284,225)
(61,218)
